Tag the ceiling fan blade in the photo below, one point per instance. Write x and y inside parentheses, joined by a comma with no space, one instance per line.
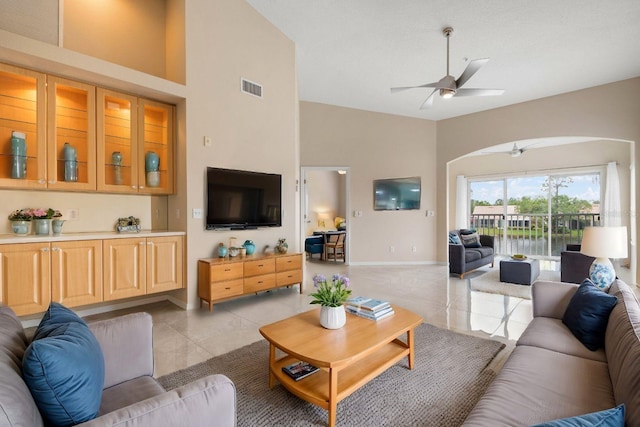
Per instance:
(428,103)
(471,69)
(479,92)
(400,89)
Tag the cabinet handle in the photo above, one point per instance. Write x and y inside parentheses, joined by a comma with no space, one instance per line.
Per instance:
(52,181)
(42,181)
(150,243)
(260,265)
(141,187)
(141,243)
(226,289)
(260,281)
(134,187)
(227,269)
(55,249)
(45,249)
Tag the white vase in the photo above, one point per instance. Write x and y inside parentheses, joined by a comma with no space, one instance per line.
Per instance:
(333,317)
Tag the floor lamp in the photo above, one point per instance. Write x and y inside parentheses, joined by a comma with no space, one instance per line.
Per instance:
(604,243)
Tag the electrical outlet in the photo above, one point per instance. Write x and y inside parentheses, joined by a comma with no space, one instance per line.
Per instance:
(431,213)
(207,141)
(73,214)
(414,249)
(392,249)
(197,214)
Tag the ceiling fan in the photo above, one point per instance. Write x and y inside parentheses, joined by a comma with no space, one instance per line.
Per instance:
(514,152)
(448,86)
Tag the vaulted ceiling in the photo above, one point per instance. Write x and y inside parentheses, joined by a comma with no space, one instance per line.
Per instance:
(351,52)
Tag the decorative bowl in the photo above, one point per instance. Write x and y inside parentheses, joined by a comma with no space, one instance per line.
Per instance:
(233,251)
(519,256)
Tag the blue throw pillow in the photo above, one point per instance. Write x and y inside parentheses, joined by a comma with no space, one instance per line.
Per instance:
(64,368)
(454,239)
(587,314)
(613,417)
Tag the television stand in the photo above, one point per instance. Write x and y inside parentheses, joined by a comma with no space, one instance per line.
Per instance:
(220,279)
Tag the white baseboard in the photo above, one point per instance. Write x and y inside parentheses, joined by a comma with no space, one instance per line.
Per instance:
(382,263)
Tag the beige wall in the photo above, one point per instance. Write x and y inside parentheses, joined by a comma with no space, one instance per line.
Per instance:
(609,111)
(125,32)
(227,40)
(375,145)
(572,158)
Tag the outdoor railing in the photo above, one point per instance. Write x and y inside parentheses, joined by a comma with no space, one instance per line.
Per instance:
(534,234)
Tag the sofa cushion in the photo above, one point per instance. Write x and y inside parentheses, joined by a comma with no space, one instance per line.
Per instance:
(471,255)
(552,334)
(470,240)
(613,417)
(537,385)
(17,407)
(588,313)
(622,345)
(128,393)
(64,368)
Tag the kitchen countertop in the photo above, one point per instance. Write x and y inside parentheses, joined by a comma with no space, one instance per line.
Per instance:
(93,235)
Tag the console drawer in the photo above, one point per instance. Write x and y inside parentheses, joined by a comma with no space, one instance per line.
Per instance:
(221,290)
(289,277)
(224,272)
(259,283)
(258,267)
(292,262)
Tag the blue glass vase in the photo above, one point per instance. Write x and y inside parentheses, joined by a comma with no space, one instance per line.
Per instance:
(19,155)
(151,162)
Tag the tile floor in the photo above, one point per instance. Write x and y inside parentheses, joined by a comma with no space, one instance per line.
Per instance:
(183,338)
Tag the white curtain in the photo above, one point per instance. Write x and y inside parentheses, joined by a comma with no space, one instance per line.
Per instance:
(461,202)
(612,212)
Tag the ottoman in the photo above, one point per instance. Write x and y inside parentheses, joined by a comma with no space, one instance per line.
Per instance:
(521,272)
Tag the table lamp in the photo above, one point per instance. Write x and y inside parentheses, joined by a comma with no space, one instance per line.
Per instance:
(323,217)
(604,243)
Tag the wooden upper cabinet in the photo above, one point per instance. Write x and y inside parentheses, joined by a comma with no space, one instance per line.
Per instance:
(22,109)
(71,120)
(155,139)
(117,138)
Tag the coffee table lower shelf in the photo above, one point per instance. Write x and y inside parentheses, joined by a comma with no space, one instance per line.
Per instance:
(316,387)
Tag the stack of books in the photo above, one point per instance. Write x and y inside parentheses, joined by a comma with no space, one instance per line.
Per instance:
(299,370)
(369,308)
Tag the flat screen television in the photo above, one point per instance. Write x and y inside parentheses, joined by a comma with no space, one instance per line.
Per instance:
(239,199)
(396,194)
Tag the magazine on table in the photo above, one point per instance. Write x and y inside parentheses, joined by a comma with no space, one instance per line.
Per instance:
(299,370)
(377,315)
(367,303)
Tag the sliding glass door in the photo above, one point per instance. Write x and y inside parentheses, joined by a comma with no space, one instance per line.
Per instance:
(535,215)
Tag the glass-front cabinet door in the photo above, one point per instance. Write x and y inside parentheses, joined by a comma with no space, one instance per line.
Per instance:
(117,134)
(71,142)
(22,128)
(155,155)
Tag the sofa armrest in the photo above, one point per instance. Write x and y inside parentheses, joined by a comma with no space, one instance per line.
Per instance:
(456,259)
(127,346)
(550,299)
(209,401)
(486,240)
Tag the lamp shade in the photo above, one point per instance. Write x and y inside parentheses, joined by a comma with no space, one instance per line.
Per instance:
(605,242)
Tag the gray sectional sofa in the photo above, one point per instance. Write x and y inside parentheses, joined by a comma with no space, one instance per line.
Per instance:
(131,396)
(551,375)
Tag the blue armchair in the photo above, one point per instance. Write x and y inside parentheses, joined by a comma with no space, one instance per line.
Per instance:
(314,245)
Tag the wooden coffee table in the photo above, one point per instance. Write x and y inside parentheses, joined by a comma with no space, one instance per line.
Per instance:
(348,358)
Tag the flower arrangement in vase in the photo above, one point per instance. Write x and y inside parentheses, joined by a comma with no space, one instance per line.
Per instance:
(21,221)
(331,296)
(42,219)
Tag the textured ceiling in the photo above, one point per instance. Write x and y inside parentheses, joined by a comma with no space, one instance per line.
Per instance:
(351,52)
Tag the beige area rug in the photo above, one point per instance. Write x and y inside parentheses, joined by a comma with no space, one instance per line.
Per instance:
(488,280)
(449,377)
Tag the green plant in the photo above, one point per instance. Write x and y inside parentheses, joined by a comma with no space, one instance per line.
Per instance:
(330,294)
(21,215)
(45,213)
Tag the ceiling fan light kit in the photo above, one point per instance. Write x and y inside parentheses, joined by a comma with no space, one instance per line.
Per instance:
(448,87)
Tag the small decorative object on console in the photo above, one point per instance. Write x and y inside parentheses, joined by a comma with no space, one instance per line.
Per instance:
(282,247)
(250,247)
(128,225)
(222,250)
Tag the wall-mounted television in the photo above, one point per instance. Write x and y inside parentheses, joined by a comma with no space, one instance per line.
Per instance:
(396,194)
(239,199)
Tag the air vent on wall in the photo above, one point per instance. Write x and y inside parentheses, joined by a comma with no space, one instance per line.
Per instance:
(251,88)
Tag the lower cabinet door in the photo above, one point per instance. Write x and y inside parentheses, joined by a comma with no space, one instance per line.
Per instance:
(124,268)
(164,263)
(76,272)
(25,277)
